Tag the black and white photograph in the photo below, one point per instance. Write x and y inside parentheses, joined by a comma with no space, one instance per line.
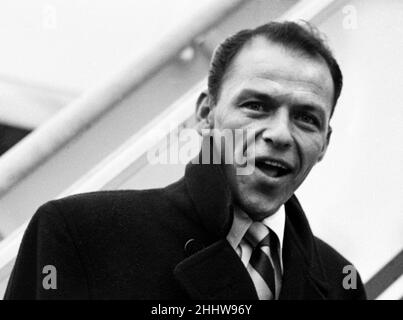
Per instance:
(180,150)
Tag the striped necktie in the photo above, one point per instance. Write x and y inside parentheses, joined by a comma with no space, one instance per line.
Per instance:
(264,264)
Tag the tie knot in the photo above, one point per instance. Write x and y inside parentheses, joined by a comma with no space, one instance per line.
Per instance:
(259,235)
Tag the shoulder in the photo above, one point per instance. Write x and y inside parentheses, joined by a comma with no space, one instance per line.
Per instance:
(102,201)
(330,255)
(103,213)
(342,275)
(117,202)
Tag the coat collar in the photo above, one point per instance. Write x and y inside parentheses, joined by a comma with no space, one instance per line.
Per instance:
(211,197)
(303,273)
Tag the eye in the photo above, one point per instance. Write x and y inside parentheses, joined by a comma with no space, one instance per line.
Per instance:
(307,118)
(254,106)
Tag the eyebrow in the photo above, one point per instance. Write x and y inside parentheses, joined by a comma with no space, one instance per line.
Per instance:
(251,93)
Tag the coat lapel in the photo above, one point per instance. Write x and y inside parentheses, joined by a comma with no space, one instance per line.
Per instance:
(303,276)
(215,273)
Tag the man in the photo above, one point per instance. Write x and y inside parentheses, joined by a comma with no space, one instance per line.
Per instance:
(217,233)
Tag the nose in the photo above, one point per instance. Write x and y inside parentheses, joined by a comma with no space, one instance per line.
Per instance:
(277,130)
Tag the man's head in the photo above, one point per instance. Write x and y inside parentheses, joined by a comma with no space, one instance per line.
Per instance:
(280,83)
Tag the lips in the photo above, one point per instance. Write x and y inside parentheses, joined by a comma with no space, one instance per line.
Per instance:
(274,168)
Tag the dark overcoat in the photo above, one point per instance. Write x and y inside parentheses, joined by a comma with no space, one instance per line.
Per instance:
(166,243)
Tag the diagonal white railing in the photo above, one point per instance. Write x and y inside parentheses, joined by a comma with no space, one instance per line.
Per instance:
(36,148)
(107,171)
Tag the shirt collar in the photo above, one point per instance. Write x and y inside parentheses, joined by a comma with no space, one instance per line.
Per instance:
(276,222)
(242,222)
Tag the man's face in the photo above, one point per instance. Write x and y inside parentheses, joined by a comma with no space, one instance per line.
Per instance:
(285,100)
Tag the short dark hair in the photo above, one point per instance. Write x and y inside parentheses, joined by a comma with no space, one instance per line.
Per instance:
(297,36)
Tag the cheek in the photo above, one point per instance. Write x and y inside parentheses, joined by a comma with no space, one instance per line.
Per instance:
(228,117)
(310,147)
(231,121)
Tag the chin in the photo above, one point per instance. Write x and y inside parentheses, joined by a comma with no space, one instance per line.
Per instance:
(258,208)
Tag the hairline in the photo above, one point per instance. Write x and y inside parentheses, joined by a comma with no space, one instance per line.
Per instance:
(288,47)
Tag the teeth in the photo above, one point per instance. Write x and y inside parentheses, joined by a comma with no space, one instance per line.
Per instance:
(275,164)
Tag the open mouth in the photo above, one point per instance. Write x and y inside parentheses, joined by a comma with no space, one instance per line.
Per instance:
(273,169)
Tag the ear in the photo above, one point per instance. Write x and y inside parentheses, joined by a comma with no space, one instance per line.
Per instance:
(203,112)
(328,135)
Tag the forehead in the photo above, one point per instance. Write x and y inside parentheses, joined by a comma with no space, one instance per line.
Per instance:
(267,66)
